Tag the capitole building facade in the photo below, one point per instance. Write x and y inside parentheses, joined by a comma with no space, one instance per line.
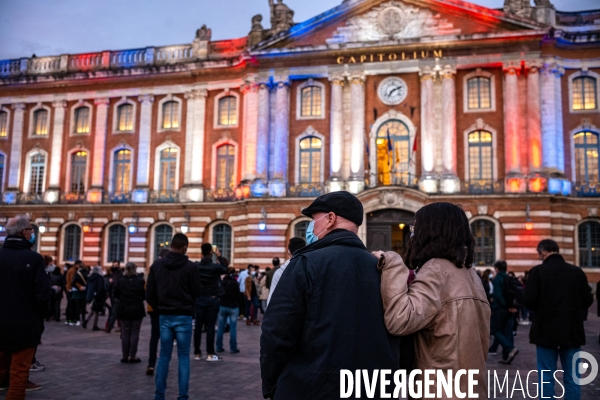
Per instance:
(403,103)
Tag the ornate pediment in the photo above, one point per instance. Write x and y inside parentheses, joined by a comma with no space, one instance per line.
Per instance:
(393,20)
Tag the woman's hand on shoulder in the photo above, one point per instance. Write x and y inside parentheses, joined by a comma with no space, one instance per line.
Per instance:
(387,258)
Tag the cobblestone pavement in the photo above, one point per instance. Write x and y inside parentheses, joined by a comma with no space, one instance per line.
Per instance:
(81,364)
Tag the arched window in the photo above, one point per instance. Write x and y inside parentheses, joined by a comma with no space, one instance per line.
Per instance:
(3,124)
(222,239)
(484,233)
(37,171)
(116,243)
(82,120)
(1,172)
(311,101)
(72,245)
(40,123)
(479,93)
(162,238)
(587,148)
(170,115)
(228,111)
(125,118)
(300,229)
(589,244)
(584,93)
(225,166)
(480,156)
(122,171)
(168,169)
(78,171)
(393,153)
(310,159)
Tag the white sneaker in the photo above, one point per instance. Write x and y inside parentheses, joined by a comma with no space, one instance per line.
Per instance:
(77,323)
(198,357)
(37,367)
(213,357)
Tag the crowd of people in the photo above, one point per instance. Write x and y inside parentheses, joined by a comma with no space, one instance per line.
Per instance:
(336,305)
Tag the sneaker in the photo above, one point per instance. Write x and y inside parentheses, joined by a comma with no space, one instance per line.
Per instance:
(32,387)
(150,370)
(493,353)
(72,323)
(198,357)
(511,357)
(37,367)
(234,351)
(67,322)
(78,323)
(213,357)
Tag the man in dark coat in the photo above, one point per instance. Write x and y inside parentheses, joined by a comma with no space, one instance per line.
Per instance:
(24,295)
(327,313)
(503,314)
(173,284)
(559,294)
(207,305)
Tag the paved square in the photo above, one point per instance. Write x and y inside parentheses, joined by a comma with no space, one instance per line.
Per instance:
(84,365)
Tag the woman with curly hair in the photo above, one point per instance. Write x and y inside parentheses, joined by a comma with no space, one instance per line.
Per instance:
(445,305)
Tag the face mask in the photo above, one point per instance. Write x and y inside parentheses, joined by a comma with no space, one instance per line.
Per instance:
(310,234)
(491,276)
(50,268)
(253,273)
(32,238)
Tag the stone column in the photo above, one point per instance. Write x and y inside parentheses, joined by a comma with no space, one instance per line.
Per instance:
(428,180)
(336,136)
(140,194)
(282,121)
(53,192)
(250,131)
(512,144)
(449,182)
(548,120)
(262,134)
(16,147)
(99,156)
(534,133)
(192,189)
(356,182)
(558,114)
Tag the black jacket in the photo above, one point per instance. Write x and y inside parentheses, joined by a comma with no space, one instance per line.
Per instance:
(210,276)
(231,298)
(58,279)
(326,315)
(24,294)
(95,288)
(129,290)
(173,284)
(558,293)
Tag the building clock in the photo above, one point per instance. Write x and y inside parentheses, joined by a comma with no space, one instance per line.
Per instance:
(392,91)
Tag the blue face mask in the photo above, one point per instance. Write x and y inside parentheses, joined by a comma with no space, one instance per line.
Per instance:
(310,234)
(32,238)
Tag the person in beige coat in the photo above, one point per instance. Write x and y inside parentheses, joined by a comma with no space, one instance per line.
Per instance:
(446,304)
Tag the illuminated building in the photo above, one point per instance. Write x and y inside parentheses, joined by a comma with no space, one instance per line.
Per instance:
(403,103)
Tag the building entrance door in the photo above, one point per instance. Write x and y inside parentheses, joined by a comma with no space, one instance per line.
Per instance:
(388,230)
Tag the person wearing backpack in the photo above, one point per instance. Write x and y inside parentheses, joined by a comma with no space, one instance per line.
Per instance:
(504,309)
(558,293)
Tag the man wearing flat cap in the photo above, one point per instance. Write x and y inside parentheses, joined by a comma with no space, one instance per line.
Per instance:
(327,313)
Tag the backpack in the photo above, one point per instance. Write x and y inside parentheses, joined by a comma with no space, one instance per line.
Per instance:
(514,292)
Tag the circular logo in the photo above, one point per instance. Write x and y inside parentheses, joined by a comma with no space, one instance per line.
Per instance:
(392,91)
(391,20)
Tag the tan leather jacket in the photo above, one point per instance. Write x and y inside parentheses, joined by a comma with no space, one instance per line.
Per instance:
(448,309)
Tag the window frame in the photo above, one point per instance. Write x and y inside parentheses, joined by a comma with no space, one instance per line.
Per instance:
(497,238)
(7,111)
(577,245)
(161,103)
(69,171)
(309,132)
(584,74)
(295,224)
(111,178)
(217,120)
(64,242)
(214,171)
(153,254)
(481,145)
(32,121)
(106,242)
(27,176)
(72,125)
(214,225)
(308,83)
(157,164)
(476,74)
(587,147)
(115,116)
(480,125)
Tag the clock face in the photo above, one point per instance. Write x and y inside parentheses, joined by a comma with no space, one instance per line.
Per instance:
(392,91)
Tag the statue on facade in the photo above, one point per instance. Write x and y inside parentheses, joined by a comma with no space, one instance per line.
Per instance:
(282,17)
(521,8)
(257,32)
(204,33)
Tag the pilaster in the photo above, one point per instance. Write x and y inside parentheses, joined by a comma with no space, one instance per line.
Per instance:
(428,182)
(96,191)
(336,147)
(514,178)
(140,193)
(449,182)
(192,189)
(250,130)
(356,181)
(16,146)
(53,193)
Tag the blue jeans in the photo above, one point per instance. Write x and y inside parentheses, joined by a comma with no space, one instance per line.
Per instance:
(503,331)
(231,314)
(178,327)
(547,358)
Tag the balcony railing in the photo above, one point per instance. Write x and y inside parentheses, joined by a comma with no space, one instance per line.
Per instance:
(306,190)
(163,196)
(483,186)
(72,198)
(117,198)
(587,189)
(30,198)
(220,195)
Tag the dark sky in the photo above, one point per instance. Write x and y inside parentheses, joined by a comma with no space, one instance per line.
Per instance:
(53,27)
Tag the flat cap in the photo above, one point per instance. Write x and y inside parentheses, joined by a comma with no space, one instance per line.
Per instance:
(342,203)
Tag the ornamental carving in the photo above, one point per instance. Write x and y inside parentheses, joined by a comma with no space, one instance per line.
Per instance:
(392,21)
(390,198)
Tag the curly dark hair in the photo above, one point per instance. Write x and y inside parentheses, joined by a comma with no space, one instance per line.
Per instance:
(441,231)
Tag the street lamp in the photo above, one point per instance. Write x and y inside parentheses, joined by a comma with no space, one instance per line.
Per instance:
(185,227)
(528,222)
(133,226)
(262,225)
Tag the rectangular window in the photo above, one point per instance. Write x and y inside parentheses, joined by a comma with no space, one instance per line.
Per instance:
(82,120)
(125,118)
(3,124)
(72,243)
(122,171)
(228,111)
(168,169)
(116,243)
(584,93)
(225,166)
(78,171)
(479,93)
(40,123)
(311,101)
(170,115)
(36,184)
